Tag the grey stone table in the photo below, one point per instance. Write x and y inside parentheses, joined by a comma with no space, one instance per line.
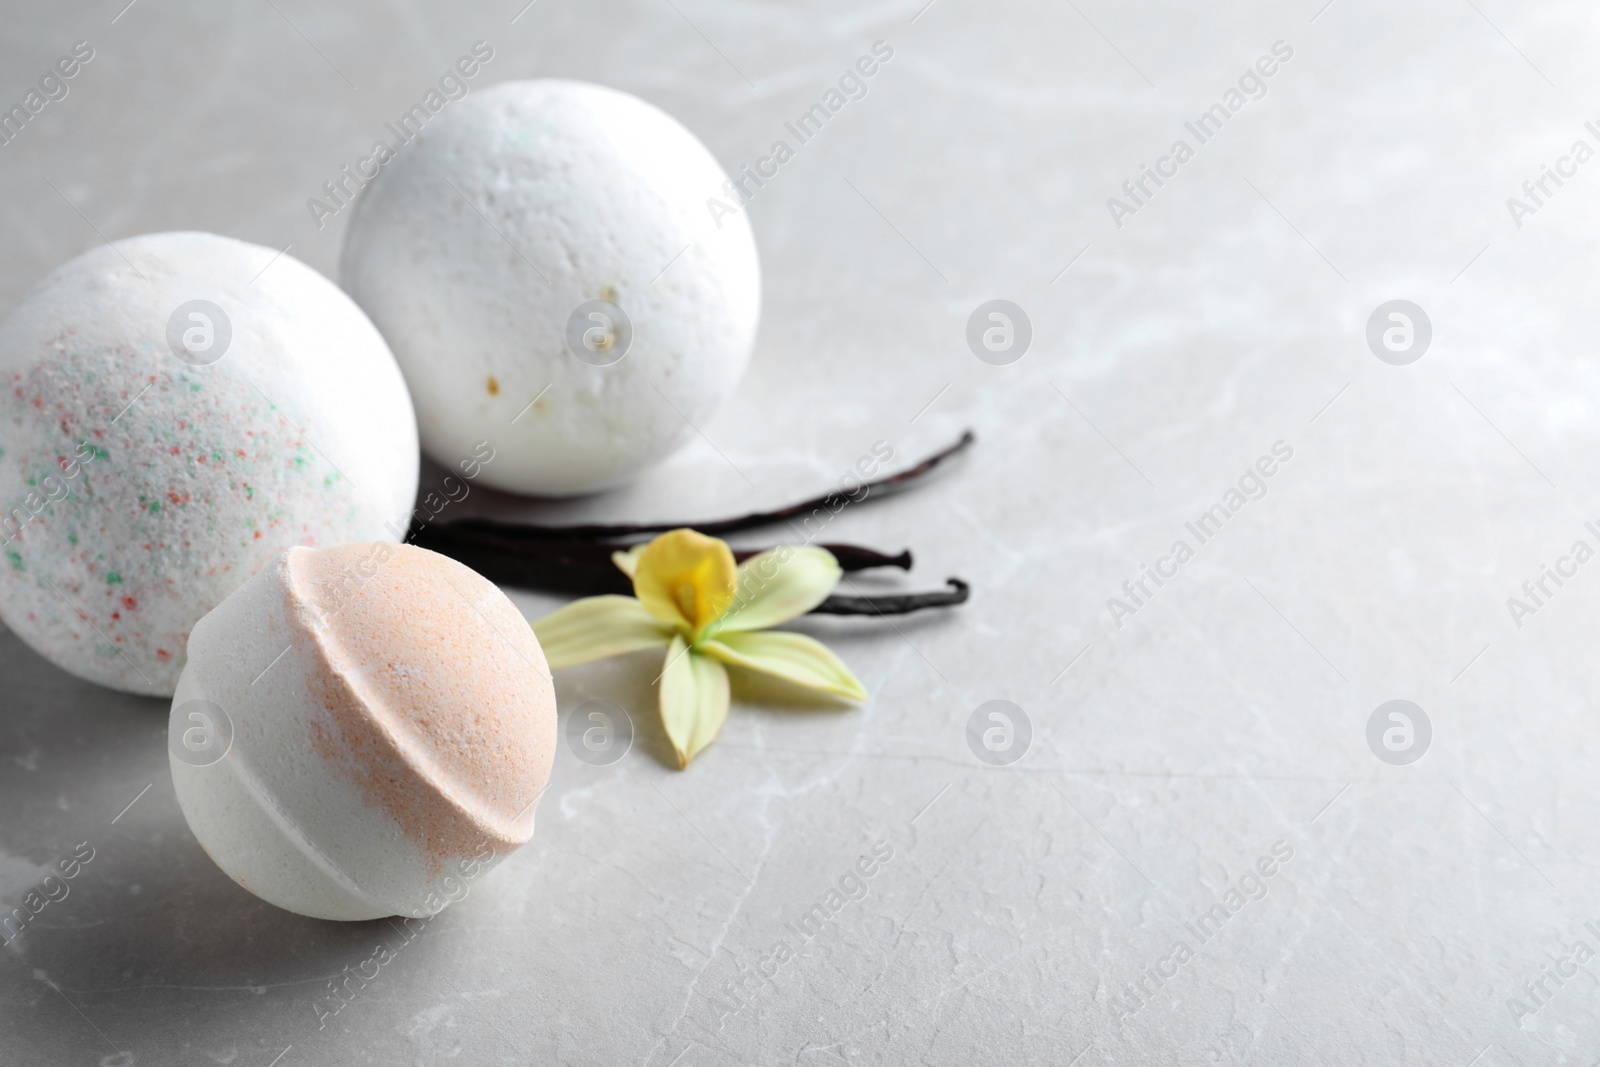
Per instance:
(1203,855)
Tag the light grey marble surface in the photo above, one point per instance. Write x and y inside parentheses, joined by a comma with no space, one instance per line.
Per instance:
(1424,905)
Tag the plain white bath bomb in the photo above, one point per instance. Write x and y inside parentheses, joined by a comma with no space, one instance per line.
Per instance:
(362,731)
(474,246)
(138,488)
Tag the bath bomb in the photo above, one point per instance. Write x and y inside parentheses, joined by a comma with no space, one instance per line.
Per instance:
(362,731)
(560,270)
(177,409)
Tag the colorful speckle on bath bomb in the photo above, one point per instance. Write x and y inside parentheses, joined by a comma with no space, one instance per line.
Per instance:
(141,483)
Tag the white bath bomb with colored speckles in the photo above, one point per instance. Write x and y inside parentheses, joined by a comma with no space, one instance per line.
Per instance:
(177,410)
(479,248)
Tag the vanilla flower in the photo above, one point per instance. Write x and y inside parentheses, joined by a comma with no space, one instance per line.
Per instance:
(692,600)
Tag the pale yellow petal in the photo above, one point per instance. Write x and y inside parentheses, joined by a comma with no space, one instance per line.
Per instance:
(685,579)
(596,627)
(694,700)
(627,562)
(794,657)
(778,585)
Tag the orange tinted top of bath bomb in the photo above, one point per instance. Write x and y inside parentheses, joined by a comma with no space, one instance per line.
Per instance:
(439,703)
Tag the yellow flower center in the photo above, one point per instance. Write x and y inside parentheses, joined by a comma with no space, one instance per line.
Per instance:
(686,580)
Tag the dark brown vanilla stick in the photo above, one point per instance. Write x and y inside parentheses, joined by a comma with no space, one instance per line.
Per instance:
(577,559)
(895,603)
(579,566)
(585,568)
(833,502)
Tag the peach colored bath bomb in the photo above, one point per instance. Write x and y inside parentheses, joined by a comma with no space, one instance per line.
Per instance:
(175,411)
(483,249)
(362,731)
